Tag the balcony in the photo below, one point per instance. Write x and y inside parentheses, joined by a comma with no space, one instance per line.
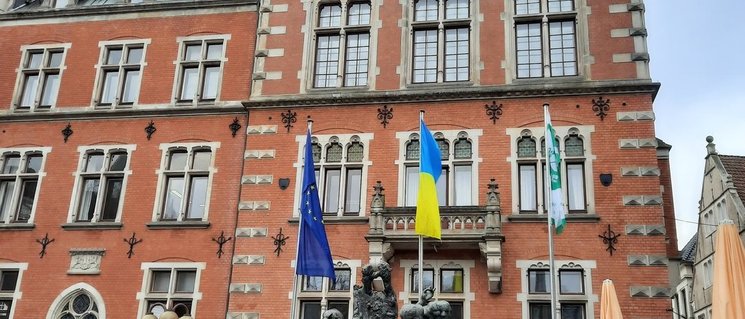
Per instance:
(463,227)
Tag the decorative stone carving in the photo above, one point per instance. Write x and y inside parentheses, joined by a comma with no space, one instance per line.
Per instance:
(426,308)
(85,261)
(378,303)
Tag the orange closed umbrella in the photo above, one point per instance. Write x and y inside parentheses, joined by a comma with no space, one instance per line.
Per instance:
(728,299)
(609,306)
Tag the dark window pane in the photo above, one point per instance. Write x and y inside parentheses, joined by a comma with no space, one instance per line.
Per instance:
(94,163)
(456,310)
(214,51)
(33,163)
(312,283)
(6,196)
(343,277)
(197,197)
(334,153)
(174,196)
(355,152)
(118,162)
(55,59)
(310,310)
(444,149)
(185,281)
(8,280)
(412,150)
(570,282)
(428,279)
(178,161)
(114,56)
(27,200)
(12,162)
(34,60)
(538,282)
(135,55)
(111,201)
(202,160)
(574,146)
(81,303)
(160,281)
(572,311)
(540,311)
(452,280)
(181,307)
(88,199)
(526,147)
(462,149)
(342,306)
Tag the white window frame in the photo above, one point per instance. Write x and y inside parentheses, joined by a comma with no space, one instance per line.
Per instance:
(166,149)
(344,140)
(562,132)
(581,38)
(9,219)
(147,270)
(440,25)
(472,135)
(183,42)
(466,297)
(22,71)
(17,294)
(326,295)
(708,273)
(343,30)
(101,66)
(107,150)
(71,292)
(589,298)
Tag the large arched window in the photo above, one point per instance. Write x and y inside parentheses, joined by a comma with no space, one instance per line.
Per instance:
(81,301)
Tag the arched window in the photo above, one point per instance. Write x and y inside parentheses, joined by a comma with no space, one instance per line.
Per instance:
(78,304)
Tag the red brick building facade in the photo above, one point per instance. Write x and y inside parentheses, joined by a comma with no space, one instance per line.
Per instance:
(121,123)
(482,71)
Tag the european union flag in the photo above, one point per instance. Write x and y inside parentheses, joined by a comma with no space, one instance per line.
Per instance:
(314,254)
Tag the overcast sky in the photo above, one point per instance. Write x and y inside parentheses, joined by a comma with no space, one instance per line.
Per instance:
(698,54)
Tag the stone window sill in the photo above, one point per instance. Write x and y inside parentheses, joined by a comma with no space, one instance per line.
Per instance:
(337,220)
(92,226)
(536,218)
(178,224)
(17,226)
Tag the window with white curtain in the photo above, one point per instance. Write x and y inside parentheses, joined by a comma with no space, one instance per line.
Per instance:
(172,286)
(341,163)
(100,180)
(120,73)
(458,153)
(342,32)
(21,171)
(529,169)
(440,41)
(185,182)
(199,69)
(39,77)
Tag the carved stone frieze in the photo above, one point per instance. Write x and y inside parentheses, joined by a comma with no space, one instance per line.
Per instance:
(86,261)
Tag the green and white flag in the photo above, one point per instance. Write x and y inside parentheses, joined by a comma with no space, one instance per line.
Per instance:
(556,207)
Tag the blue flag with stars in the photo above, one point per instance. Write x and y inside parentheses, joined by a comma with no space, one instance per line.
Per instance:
(314,254)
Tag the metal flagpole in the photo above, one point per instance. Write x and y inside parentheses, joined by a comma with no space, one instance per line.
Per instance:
(547,205)
(293,308)
(421,239)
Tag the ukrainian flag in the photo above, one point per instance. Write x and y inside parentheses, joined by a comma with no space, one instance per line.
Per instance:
(430,167)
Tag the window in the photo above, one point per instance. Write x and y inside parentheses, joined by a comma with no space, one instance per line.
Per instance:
(20,178)
(545,38)
(170,285)
(199,69)
(39,78)
(100,184)
(450,278)
(341,172)
(120,74)
(337,295)
(457,183)
(530,169)
(342,36)
(573,287)
(708,272)
(10,279)
(185,181)
(441,33)
(78,305)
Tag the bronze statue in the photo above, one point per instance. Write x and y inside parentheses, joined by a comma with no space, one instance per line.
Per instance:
(375,304)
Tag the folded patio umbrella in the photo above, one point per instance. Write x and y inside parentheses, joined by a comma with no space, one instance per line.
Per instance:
(609,306)
(728,300)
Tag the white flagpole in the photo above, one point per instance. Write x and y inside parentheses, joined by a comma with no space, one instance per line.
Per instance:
(421,240)
(293,307)
(547,195)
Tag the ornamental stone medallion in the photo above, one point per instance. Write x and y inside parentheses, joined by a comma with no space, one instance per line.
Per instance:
(86,261)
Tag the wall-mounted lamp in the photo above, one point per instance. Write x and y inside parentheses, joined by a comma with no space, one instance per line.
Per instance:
(283,183)
(606,179)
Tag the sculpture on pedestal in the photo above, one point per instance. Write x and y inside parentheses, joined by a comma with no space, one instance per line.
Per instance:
(426,308)
(374,301)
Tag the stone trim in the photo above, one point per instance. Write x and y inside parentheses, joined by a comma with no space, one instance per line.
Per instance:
(86,113)
(640,171)
(543,88)
(634,143)
(251,232)
(261,129)
(642,200)
(259,154)
(243,315)
(249,260)
(86,261)
(649,292)
(647,260)
(645,230)
(635,116)
(245,288)
(257,179)
(254,205)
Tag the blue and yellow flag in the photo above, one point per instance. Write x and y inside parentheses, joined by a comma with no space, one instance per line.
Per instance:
(314,254)
(430,168)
